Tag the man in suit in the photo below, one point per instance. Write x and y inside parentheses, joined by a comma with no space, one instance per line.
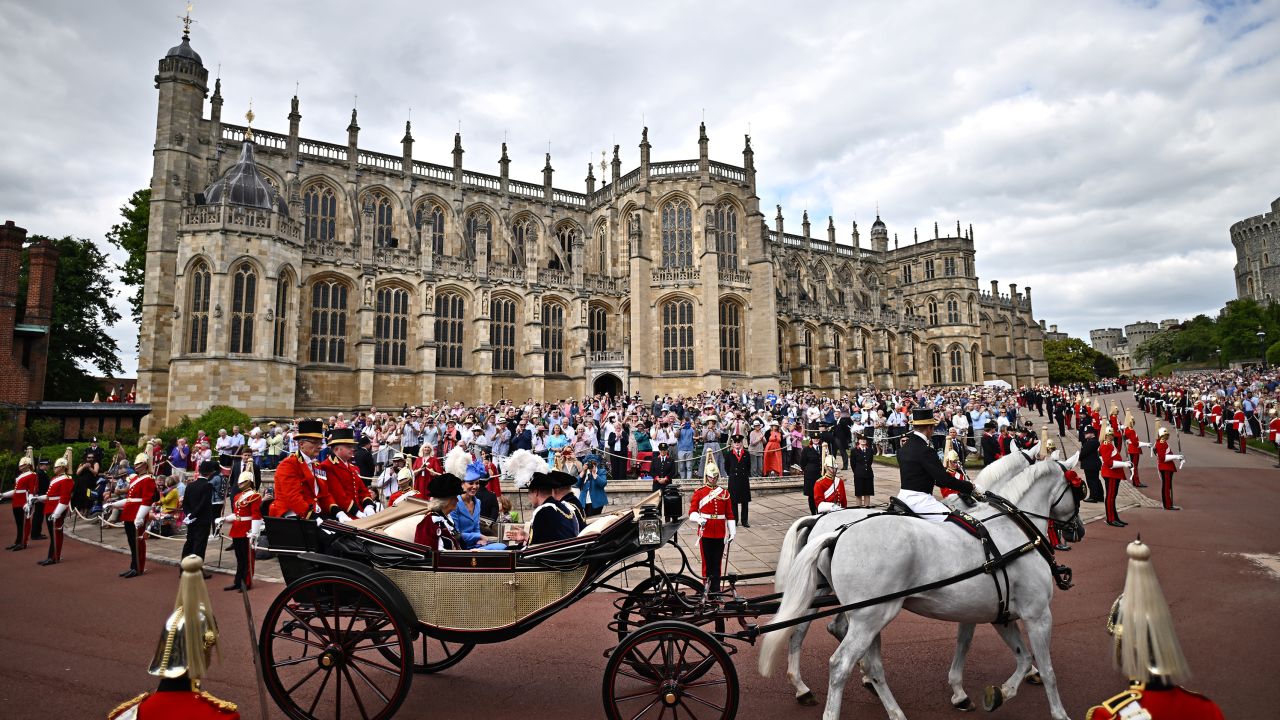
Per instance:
(363,459)
(843,435)
(662,467)
(990,445)
(921,470)
(197,506)
(737,468)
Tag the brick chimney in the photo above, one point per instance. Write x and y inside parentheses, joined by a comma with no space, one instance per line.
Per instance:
(11,238)
(42,260)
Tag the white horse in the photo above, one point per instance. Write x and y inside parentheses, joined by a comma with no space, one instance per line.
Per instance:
(993,478)
(888,554)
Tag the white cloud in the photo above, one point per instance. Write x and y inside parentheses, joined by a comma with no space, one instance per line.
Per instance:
(1100,149)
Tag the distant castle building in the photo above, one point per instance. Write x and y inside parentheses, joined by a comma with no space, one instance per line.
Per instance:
(1121,346)
(1257,275)
(289,276)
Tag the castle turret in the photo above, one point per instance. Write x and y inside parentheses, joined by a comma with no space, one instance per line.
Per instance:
(879,235)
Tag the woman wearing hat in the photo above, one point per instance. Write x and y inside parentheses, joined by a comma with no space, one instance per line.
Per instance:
(436,530)
(772,451)
(811,465)
(861,458)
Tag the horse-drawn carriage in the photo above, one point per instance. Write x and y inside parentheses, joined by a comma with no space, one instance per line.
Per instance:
(365,608)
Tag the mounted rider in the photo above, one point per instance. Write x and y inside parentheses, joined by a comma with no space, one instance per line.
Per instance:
(921,470)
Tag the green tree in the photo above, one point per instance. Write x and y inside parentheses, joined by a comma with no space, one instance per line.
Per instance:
(1238,326)
(131,236)
(1104,366)
(82,312)
(1159,349)
(1070,361)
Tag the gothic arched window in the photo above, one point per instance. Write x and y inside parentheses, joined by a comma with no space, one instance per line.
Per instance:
(957,364)
(953,311)
(933,311)
(602,247)
(727,235)
(329,322)
(553,338)
(730,336)
(597,329)
(476,225)
(430,221)
(935,363)
(391,327)
(198,316)
(677,234)
(281,330)
(320,212)
(383,226)
(523,234)
(564,243)
(244,290)
(677,335)
(449,309)
(502,333)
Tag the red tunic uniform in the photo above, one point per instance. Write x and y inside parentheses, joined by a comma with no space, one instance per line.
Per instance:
(1113,475)
(423,470)
(714,505)
(245,509)
(958,475)
(830,489)
(1242,427)
(298,484)
(141,493)
(187,705)
(1273,430)
(59,493)
(341,479)
(1164,704)
(24,488)
(1216,417)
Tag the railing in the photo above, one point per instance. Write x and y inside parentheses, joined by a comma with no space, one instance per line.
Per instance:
(454,267)
(322,150)
(387,162)
(526,189)
(846,250)
(661,276)
(734,276)
(628,181)
(601,196)
(569,197)
(395,257)
(863,317)
(433,171)
(604,284)
(728,172)
(245,217)
(673,168)
(481,180)
(556,278)
(331,251)
(608,357)
(506,273)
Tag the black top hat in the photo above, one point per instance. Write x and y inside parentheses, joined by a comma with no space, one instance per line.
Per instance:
(209,468)
(310,430)
(42,461)
(363,440)
(342,436)
(226,461)
(561,479)
(444,485)
(542,481)
(922,416)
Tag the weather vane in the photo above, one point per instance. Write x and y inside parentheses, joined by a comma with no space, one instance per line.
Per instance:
(186,21)
(248,122)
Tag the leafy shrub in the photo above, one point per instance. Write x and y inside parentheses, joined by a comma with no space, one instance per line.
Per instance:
(42,431)
(215,418)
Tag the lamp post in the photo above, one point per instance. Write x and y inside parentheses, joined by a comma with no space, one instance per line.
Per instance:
(1262,346)
(1218,352)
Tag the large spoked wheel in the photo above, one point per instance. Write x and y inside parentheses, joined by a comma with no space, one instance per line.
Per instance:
(332,648)
(435,654)
(670,669)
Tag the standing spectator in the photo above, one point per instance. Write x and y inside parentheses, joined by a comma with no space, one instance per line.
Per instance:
(197,506)
(773,442)
(843,434)
(737,468)
(811,464)
(684,448)
(755,448)
(591,485)
(180,458)
(94,455)
(862,456)
(275,446)
(363,459)
(258,446)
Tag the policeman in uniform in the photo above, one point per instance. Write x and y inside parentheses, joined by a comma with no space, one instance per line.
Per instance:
(182,659)
(921,470)
(712,510)
(663,468)
(135,508)
(737,468)
(24,489)
(299,476)
(1147,652)
(56,501)
(828,491)
(246,524)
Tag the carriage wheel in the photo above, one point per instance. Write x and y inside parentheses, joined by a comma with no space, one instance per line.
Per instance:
(670,667)
(435,654)
(659,598)
(319,662)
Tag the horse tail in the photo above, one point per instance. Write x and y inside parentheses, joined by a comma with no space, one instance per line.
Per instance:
(802,582)
(792,543)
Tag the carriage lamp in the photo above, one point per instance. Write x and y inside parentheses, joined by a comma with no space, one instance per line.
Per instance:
(650,526)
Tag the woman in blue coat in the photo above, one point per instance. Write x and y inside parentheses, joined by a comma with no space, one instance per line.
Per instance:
(591,484)
(466,518)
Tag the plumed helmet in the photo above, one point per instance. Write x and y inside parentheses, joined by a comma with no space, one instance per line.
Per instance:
(190,633)
(142,459)
(952,457)
(25,462)
(1146,644)
(60,463)
(1162,432)
(711,473)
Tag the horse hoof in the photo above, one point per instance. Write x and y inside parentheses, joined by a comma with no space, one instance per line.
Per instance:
(1034,679)
(965,705)
(992,698)
(870,688)
(807,699)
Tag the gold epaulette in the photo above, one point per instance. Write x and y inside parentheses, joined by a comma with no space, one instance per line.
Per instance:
(223,705)
(122,707)
(1114,704)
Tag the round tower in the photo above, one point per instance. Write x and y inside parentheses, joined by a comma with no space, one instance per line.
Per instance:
(879,235)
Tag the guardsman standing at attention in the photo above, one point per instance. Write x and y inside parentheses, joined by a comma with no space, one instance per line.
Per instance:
(246,525)
(24,488)
(57,500)
(828,491)
(1164,463)
(1273,432)
(135,508)
(1199,412)
(921,470)
(1147,652)
(299,477)
(712,510)
(1217,420)
(1114,418)
(1241,423)
(182,659)
(1133,446)
(1112,473)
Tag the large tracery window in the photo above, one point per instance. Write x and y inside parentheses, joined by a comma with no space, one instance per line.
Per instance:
(320,212)
(730,336)
(933,311)
(727,235)
(523,234)
(329,322)
(502,333)
(564,242)
(553,338)
(808,347)
(391,328)
(935,361)
(949,266)
(602,248)
(477,224)
(430,220)
(449,309)
(597,329)
(380,207)
(957,365)
(677,335)
(198,317)
(677,234)
(281,330)
(953,311)
(244,289)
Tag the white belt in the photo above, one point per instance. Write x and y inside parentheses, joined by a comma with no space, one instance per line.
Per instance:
(129,500)
(243,519)
(19,492)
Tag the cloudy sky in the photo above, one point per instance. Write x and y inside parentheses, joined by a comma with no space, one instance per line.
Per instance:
(1101,150)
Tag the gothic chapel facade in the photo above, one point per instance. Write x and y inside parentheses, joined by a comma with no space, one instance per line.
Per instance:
(288,276)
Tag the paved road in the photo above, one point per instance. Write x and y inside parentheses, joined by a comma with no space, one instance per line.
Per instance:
(78,629)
